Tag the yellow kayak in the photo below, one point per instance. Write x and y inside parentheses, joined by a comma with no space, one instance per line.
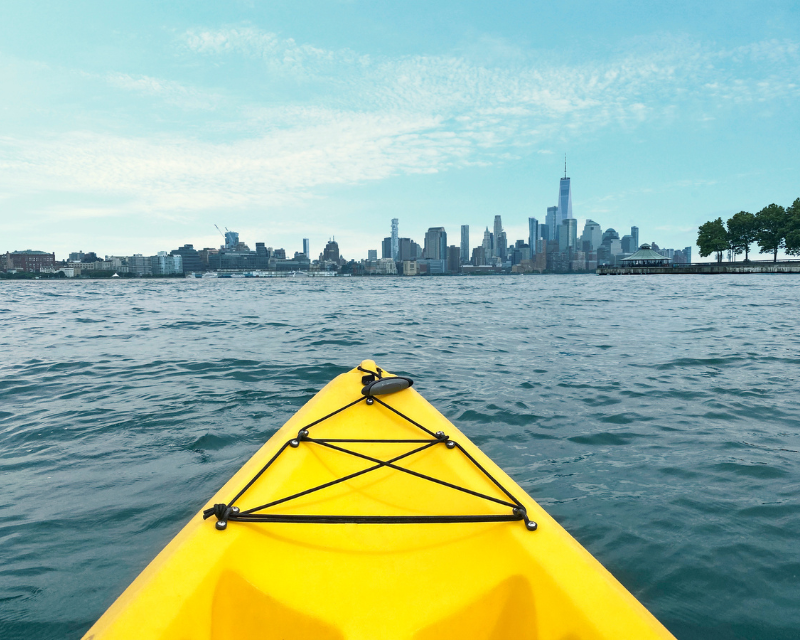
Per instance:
(369,516)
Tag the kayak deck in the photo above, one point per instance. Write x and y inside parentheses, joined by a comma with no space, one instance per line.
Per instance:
(348,580)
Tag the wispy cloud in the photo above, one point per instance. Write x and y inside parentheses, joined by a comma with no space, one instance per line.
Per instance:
(375,117)
(171,92)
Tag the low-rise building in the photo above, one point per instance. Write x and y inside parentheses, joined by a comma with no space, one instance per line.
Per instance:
(164,264)
(386,267)
(410,268)
(27,260)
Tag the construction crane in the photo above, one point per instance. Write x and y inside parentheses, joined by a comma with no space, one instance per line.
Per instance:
(220,231)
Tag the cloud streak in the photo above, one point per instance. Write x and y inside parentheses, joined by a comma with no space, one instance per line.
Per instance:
(371,118)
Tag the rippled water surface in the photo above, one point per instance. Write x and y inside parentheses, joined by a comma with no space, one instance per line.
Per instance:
(655,417)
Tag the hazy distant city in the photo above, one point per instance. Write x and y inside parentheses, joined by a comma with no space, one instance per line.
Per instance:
(552,246)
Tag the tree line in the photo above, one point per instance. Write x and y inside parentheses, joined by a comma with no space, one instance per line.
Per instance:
(772,228)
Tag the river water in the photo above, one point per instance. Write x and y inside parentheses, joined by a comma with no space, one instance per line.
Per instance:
(657,418)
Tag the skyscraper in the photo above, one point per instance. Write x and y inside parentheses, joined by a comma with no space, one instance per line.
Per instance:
(552,223)
(592,234)
(331,251)
(231,240)
(453,259)
(395,225)
(498,231)
(307,247)
(501,246)
(635,236)
(464,243)
(488,243)
(435,244)
(386,248)
(564,196)
(533,234)
(567,237)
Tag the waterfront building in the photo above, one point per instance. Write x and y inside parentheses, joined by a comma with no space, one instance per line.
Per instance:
(431,266)
(533,234)
(410,268)
(372,255)
(687,254)
(306,247)
(592,234)
(163,264)
(300,263)
(645,257)
(478,256)
(189,257)
(453,259)
(394,236)
(76,256)
(386,267)
(139,265)
(435,244)
(464,243)
(386,247)
(552,223)
(120,263)
(225,260)
(29,260)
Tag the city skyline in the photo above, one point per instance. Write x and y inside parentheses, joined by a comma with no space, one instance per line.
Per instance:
(145,125)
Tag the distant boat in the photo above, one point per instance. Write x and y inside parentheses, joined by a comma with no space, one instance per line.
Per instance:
(210,274)
(116,275)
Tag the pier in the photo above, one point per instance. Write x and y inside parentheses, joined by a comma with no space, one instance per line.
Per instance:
(752,266)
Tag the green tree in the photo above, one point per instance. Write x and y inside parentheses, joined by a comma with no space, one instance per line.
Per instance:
(742,232)
(712,237)
(772,223)
(793,229)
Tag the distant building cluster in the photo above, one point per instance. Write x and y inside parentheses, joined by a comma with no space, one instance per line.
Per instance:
(553,247)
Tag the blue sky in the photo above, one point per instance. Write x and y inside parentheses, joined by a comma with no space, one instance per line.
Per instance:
(134,127)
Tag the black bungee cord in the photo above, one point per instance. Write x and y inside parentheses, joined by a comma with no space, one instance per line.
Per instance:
(374,384)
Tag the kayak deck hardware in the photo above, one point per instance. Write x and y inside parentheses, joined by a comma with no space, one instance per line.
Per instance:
(374,385)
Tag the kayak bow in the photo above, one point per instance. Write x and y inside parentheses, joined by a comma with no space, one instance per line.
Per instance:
(369,515)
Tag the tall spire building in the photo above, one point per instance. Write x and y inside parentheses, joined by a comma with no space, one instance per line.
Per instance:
(564,197)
